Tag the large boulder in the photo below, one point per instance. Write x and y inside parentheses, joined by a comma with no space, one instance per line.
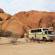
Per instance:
(14,26)
(3,18)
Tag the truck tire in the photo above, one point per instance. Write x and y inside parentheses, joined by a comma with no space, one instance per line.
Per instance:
(44,39)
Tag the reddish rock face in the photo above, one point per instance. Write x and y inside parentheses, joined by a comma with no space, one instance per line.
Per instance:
(35,19)
(46,22)
(14,26)
(30,18)
(4,16)
(52,15)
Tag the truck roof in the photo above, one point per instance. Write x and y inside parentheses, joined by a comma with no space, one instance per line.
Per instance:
(39,28)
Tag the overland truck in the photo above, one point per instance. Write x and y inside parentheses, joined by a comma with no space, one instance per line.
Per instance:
(42,34)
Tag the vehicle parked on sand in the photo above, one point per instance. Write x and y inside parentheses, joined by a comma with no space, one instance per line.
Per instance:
(42,34)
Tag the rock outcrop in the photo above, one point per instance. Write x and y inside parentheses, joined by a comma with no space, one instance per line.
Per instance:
(4,17)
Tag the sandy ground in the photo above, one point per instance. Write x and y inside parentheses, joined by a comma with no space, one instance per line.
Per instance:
(26,48)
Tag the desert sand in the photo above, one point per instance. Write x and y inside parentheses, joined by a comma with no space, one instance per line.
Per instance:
(23,48)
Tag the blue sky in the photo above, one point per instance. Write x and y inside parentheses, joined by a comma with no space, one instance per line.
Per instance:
(13,6)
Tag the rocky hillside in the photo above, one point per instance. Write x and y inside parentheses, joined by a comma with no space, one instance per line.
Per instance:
(4,17)
(22,21)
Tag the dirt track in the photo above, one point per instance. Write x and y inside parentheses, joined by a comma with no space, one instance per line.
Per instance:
(28,49)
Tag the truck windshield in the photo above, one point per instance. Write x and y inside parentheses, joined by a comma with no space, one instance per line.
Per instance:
(49,32)
(45,29)
(33,31)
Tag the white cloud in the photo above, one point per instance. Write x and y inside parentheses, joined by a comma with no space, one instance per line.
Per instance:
(2,6)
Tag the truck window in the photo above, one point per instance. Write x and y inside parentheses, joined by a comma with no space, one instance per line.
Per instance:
(49,32)
(33,31)
(45,29)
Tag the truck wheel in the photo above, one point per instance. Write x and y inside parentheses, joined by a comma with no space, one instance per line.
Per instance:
(32,39)
(44,39)
(50,40)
